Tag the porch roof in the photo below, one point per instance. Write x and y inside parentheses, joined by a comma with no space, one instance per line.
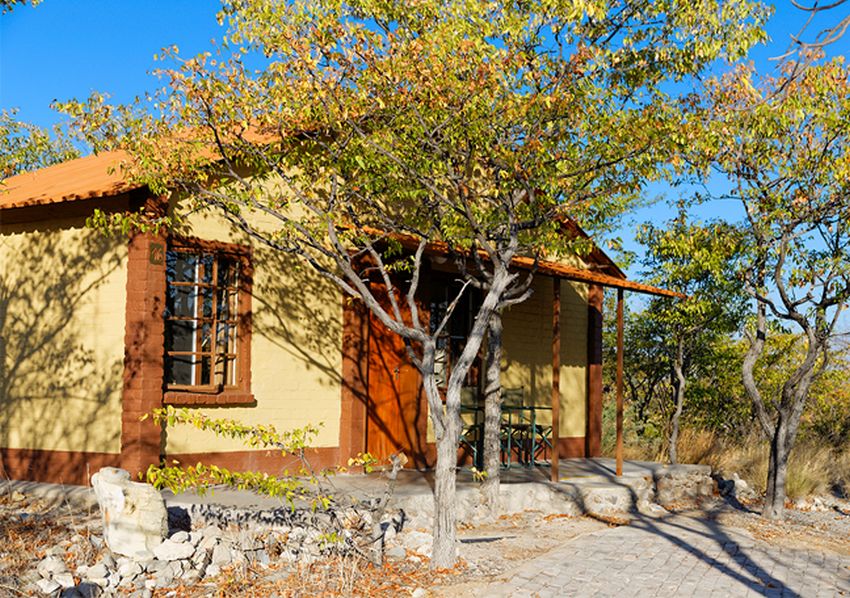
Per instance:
(560,270)
(545,267)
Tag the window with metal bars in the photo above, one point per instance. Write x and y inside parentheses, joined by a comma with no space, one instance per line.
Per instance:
(202,320)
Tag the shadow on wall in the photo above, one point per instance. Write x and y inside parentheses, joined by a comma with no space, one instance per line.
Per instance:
(61,311)
(527,361)
(298,311)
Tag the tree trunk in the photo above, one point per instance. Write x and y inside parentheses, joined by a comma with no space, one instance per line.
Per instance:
(774,500)
(493,415)
(444,551)
(679,393)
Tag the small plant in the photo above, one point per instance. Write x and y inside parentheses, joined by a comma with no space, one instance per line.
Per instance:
(365,460)
(298,488)
(478,475)
(301,484)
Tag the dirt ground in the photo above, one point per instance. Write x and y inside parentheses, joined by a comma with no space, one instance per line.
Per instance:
(29,529)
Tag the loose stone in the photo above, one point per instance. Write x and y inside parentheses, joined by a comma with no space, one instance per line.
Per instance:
(47,586)
(173,551)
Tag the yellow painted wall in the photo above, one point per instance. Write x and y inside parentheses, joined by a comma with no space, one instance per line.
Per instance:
(527,360)
(296,339)
(62,313)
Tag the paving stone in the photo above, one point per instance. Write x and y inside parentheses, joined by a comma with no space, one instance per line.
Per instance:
(677,556)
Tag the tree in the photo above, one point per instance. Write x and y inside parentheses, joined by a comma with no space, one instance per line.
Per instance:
(696,260)
(373,134)
(7,6)
(25,147)
(789,166)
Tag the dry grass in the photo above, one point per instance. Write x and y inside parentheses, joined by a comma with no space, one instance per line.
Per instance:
(331,577)
(26,539)
(812,469)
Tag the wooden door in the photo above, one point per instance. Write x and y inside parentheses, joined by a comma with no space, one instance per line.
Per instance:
(397,408)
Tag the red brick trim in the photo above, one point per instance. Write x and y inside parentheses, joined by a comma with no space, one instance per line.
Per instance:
(593,434)
(355,379)
(227,397)
(571,447)
(57,467)
(271,462)
(141,441)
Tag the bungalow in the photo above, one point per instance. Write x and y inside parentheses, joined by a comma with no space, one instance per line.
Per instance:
(97,330)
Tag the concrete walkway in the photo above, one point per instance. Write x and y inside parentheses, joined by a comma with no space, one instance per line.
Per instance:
(678,556)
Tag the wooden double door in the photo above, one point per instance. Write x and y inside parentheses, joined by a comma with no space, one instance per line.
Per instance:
(397,409)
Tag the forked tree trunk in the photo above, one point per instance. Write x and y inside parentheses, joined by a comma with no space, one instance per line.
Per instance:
(493,415)
(445,516)
(782,427)
(679,393)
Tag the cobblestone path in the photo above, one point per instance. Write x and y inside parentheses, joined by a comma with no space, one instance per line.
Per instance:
(678,556)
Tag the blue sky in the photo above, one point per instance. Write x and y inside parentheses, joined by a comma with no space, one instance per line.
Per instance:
(63,49)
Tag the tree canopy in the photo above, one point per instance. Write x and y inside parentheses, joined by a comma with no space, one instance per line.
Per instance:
(25,147)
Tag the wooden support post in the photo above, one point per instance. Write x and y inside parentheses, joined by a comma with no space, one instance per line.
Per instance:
(619,382)
(556,374)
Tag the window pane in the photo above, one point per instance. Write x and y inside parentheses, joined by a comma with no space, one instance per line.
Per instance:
(230,371)
(226,272)
(181,266)
(180,336)
(206,370)
(207,294)
(207,262)
(181,301)
(222,338)
(206,337)
(179,369)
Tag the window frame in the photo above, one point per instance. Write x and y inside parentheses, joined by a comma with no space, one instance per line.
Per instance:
(212,394)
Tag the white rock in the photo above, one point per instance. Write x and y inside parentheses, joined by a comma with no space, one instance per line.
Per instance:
(51,566)
(144,557)
(180,537)
(211,531)
(419,593)
(173,551)
(221,555)
(66,580)
(134,515)
(47,586)
(212,570)
(191,577)
(129,569)
(396,552)
(97,571)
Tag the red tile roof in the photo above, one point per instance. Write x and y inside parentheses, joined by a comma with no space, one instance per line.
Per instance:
(84,178)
